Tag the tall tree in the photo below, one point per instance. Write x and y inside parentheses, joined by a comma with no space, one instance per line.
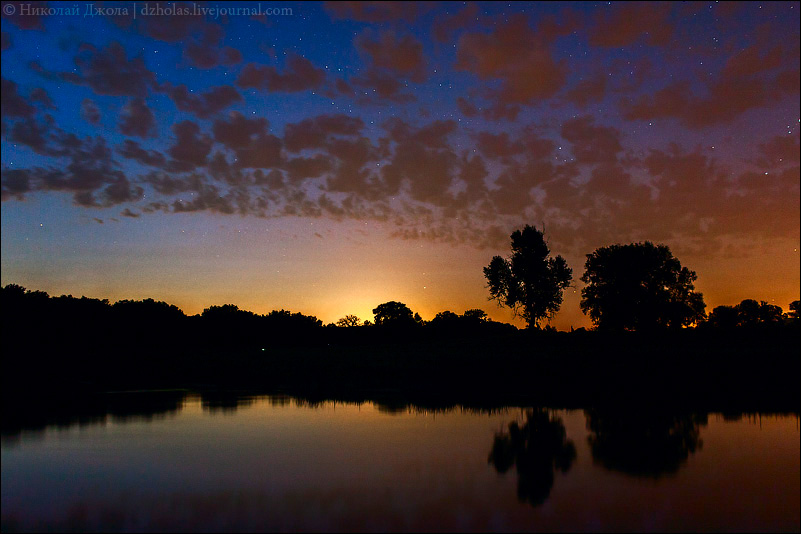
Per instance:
(395,314)
(529,281)
(639,286)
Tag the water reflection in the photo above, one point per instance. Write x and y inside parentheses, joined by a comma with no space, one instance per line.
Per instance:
(229,462)
(225,402)
(536,449)
(643,444)
(36,413)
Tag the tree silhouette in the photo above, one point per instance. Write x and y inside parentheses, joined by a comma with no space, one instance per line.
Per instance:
(536,449)
(747,314)
(393,313)
(529,281)
(795,310)
(349,320)
(639,286)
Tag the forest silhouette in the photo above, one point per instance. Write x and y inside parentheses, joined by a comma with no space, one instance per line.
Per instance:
(652,342)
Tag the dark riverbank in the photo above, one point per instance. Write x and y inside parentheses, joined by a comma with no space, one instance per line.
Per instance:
(687,370)
(70,347)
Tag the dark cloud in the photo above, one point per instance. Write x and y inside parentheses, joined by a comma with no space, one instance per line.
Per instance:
(41,97)
(90,174)
(206,104)
(137,119)
(588,91)
(626,23)
(315,132)
(32,134)
(109,72)
(445,27)
(299,169)
(384,86)
(518,56)
(252,145)
(400,55)
(377,12)
(31,21)
(191,146)
(12,104)
(779,151)
(89,111)
(207,51)
(744,83)
(591,143)
(238,131)
(422,161)
(495,146)
(207,56)
(15,183)
(298,75)
(5,42)
(131,150)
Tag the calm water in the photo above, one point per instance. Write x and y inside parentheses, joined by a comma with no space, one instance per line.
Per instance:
(274,463)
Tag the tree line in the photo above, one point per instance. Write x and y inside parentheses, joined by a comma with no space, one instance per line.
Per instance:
(639,286)
(634,287)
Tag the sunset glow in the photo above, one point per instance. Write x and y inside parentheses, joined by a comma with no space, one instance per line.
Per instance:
(344,154)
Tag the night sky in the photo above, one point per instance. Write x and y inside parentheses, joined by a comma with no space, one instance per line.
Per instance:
(347,154)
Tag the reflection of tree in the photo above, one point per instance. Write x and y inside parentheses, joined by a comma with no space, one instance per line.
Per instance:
(39,412)
(643,444)
(536,449)
(224,402)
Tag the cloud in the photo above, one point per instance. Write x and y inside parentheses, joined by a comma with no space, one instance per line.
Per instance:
(90,174)
(191,148)
(238,131)
(131,150)
(445,27)
(301,168)
(315,132)
(32,134)
(12,104)
(383,86)
(207,52)
(746,81)
(252,145)
(89,111)
(15,183)
(137,119)
(496,146)
(31,21)
(109,72)
(40,96)
(203,105)
(587,91)
(377,12)
(401,56)
(298,75)
(515,55)
(626,23)
(591,143)
(779,151)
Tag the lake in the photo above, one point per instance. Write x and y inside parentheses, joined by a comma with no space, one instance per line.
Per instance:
(176,461)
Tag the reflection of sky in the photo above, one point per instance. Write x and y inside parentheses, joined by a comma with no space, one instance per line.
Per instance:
(343,466)
(711,87)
